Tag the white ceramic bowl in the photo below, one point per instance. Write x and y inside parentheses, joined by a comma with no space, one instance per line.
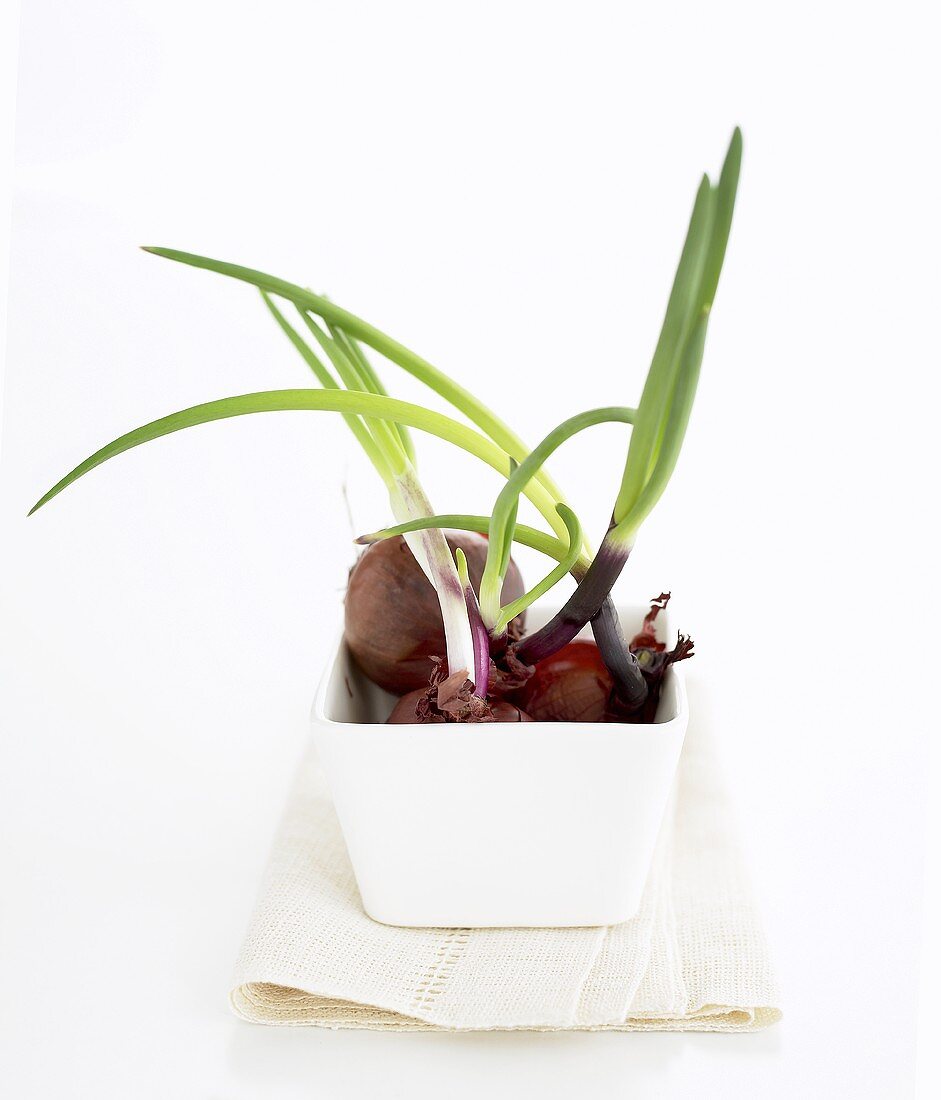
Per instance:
(500,825)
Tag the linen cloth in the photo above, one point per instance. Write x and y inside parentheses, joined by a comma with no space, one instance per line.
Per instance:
(693,959)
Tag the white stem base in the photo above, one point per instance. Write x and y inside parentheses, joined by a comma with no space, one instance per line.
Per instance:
(433,554)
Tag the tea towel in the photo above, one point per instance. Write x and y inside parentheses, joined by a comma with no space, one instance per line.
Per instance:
(693,959)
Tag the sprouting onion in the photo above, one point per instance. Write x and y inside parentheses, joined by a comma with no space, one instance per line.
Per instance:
(476,626)
(659,426)
(663,412)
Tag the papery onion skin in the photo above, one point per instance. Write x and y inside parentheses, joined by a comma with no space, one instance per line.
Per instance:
(573,685)
(404,712)
(392,619)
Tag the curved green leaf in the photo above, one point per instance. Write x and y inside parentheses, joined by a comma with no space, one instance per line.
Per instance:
(504,515)
(524,535)
(326,379)
(341,401)
(359,329)
(551,579)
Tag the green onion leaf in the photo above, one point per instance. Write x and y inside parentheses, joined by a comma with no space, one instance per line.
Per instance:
(384,434)
(354,326)
(326,379)
(372,381)
(503,517)
(566,565)
(683,305)
(342,401)
(523,534)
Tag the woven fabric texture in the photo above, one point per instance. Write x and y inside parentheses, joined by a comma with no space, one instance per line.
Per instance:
(693,959)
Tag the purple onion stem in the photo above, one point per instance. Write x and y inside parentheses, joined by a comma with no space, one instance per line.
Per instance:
(629,683)
(481,639)
(583,605)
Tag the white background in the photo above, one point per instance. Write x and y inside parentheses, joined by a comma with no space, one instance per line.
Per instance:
(505,188)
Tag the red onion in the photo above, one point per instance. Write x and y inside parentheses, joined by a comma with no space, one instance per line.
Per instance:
(393,622)
(571,685)
(574,685)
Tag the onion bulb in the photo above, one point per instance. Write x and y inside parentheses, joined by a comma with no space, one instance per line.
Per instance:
(392,619)
(572,685)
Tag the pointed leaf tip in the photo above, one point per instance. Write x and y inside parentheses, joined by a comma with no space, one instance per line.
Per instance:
(461,562)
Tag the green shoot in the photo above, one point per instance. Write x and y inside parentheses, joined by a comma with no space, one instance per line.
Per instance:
(327,380)
(382,432)
(663,413)
(504,510)
(679,349)
(328,400)
(371,381)
(551,579)
(488,422)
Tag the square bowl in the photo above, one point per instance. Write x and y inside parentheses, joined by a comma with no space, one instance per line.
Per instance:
(535,824)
